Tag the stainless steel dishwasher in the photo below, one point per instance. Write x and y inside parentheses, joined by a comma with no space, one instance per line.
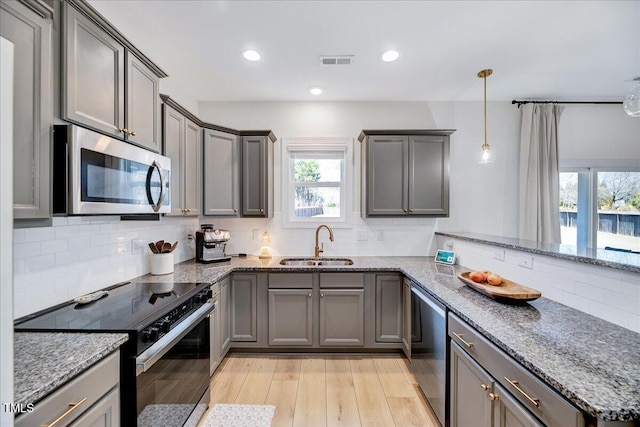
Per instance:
(429,353)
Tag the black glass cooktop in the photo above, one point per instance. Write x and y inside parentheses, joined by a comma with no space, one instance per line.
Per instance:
(128,307)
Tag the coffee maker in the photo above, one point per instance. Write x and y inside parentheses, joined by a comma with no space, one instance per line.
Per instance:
(210,244)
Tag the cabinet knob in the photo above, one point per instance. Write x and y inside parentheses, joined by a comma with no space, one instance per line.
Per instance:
(309,295)
(261,210)
(410,209)
(188,210)
(493,396)
(132,133)
(404,210)
(183,210)
(485,387)
(321,295)
(123,130)
(235,210)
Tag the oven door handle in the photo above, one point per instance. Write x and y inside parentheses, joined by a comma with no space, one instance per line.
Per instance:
(150,356)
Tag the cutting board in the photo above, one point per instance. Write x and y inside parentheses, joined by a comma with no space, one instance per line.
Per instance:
(508,291)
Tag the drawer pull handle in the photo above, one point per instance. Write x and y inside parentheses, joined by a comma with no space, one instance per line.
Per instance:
(70,409)
(485,387)
(533,400)
(132,132)
(468,344)
(493,396)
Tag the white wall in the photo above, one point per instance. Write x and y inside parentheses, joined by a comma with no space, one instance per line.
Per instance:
(472,186)
(79,255)
(610,294)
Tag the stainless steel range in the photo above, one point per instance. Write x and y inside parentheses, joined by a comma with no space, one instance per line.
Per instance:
(164,376)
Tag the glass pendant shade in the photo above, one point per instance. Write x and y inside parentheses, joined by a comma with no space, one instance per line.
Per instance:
(631,103)
(486,155)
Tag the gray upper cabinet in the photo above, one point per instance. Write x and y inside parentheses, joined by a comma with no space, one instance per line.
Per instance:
(143,105)
(29,27)
(181,138)
(221,154)
(405,173)
(388,308)
(104,85)
(257,175)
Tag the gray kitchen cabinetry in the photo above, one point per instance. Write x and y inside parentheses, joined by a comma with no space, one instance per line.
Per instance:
(342,317)
(90,399)
(224,325)
(406,318)
(257,174)
(107,84)
(405,173)
(389,308)
(291,317)
(244,307)
(28,25)
(182,141)
(499,391)
(221,184)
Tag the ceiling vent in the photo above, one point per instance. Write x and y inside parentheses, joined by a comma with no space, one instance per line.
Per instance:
(336,59)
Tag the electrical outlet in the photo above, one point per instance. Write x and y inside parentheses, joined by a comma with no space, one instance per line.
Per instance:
(526,262)
(254,234)
(499,255)
(136,246)
(362,235)
(380,234)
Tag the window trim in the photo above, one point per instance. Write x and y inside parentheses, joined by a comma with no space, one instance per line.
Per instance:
(344,144)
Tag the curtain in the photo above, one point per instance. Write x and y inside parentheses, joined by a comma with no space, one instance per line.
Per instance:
(538,206)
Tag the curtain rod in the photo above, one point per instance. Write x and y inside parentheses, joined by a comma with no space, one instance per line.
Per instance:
(515,101)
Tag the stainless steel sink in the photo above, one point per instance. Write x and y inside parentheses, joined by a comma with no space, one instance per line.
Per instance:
(318,262)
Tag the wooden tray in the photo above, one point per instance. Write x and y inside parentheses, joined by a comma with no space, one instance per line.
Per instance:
(507,292)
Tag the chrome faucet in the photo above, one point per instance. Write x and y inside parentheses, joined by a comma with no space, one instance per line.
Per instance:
(320,249)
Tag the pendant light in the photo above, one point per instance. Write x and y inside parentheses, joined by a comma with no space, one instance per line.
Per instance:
(631,102)
(486,155)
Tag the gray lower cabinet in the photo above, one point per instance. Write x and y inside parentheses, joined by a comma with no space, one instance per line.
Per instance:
(181,138)
(244,307)
(95,91)
(406,318)
(342,317)
(405,173)
(388,308)
(95,395)
(224,325)
(28,25)
(470,388)
(291,317)
(221,155)
(257,176)
(482,374)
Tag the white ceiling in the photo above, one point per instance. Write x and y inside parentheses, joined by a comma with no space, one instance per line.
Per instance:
(568,50)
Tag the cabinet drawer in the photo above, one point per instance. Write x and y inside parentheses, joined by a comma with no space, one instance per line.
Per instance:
(291,281)
(535,395)
(342,280)
(92,385)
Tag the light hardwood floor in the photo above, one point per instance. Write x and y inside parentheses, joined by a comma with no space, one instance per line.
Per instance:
(318,390)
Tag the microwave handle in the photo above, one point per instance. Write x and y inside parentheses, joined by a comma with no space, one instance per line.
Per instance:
(155,206)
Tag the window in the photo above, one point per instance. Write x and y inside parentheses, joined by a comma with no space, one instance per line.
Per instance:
(317,182)
(600,208)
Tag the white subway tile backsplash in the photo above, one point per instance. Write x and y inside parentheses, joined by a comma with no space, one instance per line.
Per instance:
(39,263)
(39,234)
(54,246)
(26,250)
(18,235)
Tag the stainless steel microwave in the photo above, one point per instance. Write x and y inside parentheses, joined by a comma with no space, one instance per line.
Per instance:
(98,175)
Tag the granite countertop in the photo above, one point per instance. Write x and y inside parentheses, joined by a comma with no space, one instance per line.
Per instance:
(44,361)
(627,261)
(593,363)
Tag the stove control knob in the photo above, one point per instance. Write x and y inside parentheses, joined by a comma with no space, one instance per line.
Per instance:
(164,325)
(153,334)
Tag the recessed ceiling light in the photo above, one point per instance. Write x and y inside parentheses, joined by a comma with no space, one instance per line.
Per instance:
(390,56)
(315,90)
(251,55)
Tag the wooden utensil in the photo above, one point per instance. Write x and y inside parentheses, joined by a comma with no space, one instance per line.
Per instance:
(166,248)
(153,248)
(174,246)
(159,244)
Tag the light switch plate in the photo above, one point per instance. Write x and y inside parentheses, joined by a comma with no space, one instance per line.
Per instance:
(499,255)
(526,262)
(380,234)
(362,235)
